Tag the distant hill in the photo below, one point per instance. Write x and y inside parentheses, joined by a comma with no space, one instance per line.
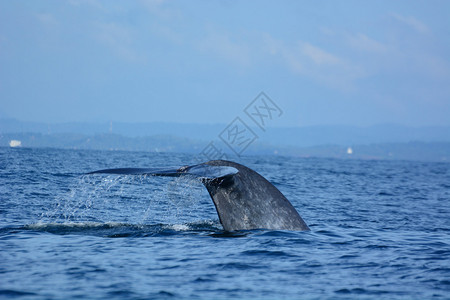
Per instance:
(422,151)
(104,141)
(290,136)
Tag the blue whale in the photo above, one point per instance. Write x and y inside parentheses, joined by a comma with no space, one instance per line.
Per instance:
(244,199)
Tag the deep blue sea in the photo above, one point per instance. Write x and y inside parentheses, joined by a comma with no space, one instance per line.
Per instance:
(379,230)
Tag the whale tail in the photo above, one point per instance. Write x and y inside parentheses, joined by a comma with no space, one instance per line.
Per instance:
(243,198)
(202,171)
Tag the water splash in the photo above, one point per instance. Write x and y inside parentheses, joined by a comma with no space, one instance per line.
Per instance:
(131,200)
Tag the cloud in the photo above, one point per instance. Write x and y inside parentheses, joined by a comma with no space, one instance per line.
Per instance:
(411,22)
(311,61)
(300,54)
(119,39)
(161,9)
(93,3)
(167,33)
(47,19)
(363,42)
(153,4)
(319,56)
(223,46)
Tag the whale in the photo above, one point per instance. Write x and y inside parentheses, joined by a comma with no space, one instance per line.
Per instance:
(244,199)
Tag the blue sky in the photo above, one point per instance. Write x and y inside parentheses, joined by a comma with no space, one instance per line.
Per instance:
(323,62)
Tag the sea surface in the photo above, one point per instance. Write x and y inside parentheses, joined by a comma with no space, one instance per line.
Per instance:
(379,230)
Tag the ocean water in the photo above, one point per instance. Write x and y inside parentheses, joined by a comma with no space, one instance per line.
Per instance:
(379,230)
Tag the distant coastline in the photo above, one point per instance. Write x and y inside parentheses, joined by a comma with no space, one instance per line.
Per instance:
(388,141)
(416,151)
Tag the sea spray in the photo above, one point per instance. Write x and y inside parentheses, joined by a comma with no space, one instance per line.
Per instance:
(130,200)
(179,201)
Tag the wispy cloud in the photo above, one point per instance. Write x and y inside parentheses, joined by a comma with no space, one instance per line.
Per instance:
(363,42)
(160,9)
(314,62)
(47,19)
(167,33)
(153,4)
(412,22)
(318,55)
(92,3)
(119,39)
(222,45)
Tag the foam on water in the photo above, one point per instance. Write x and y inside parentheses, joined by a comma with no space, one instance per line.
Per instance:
(113,229)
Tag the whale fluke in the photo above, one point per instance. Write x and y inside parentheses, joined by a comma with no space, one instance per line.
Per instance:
(243,198)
